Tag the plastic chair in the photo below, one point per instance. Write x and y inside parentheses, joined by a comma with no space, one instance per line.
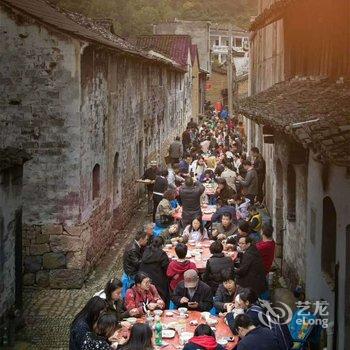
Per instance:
(172,306)
(127,283)
(301,327)
(157,230)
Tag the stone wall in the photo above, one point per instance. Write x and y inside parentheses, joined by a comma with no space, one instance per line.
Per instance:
(74,106)
(10,215)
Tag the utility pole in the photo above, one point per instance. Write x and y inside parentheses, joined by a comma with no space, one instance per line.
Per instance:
(230,74)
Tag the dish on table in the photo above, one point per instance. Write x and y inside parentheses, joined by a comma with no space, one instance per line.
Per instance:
(169,314)
(168,333)
(131,320)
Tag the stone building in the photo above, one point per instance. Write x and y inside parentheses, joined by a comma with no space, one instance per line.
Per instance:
(199,32)
(11,173)
(298,114)
(220,37)
(92,110)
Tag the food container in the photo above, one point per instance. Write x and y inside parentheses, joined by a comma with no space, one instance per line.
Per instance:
(182,310)
(185,337)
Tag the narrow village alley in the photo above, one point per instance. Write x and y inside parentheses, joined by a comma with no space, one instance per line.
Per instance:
(175,175)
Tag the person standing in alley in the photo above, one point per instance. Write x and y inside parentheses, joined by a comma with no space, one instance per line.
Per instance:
(150,174)
(190,194)
(260,167)
(175,151)
(160,186)
(250,182)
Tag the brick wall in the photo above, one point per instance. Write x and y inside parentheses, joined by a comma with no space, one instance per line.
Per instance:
(217,82)
(73,106)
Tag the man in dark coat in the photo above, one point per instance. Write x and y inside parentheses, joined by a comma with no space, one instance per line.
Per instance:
(192,293)
(260,167)
(252,337)
(190,195)
(216,264)
(250,182)
(150,174)
(155,263)
(251,272)
(160,186)
(133,254)
(132,259)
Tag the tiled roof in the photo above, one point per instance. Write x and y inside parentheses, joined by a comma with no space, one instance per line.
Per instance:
(175,47)
(316,113)
(77,25)
(10,157)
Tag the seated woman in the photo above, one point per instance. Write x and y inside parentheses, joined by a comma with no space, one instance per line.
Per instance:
(203,339)
(140,338)
(208,176)
(143,296)
(196,231)
(84,321)
(112,295)
(246,300)
(105,327)
(165,212)
(154,263)
(217,263)
(225,294)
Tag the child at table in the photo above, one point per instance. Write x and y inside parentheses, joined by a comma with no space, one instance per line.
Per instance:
(195,232)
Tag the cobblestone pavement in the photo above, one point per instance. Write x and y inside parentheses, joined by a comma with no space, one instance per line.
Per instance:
(48,313)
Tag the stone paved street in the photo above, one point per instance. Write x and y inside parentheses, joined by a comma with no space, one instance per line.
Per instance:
(48,313)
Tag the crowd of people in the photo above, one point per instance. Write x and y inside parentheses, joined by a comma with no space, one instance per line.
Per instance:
(207,155)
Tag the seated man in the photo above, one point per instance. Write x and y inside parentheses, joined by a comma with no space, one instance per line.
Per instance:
(223,209)
(217,263)
(226,293)
(257,338)
(225,229)
(177,268)
(192,293)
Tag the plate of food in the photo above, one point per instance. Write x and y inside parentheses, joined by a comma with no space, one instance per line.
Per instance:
(168,333)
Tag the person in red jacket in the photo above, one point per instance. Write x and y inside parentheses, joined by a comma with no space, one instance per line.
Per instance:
(177,268)
(203,339)
(266,247)
(142,296)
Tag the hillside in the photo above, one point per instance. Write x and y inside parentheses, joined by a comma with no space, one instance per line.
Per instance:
(133,17)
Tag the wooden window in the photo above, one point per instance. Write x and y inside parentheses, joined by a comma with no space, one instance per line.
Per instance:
(96,182)
(329,238)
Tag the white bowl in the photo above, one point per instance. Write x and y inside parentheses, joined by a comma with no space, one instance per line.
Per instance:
(205,315)
(131,320)
(182,310)
(222,342)
(158,312)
